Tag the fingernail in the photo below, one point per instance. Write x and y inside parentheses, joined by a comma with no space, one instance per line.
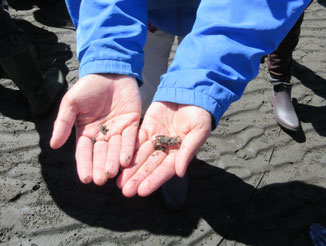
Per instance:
(52,143)
(109,174)
(88,179)
(126,160)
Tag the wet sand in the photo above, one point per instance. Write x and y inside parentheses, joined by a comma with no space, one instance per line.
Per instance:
(252,183)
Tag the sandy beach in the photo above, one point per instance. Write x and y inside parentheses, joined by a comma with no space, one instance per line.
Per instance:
(252,182)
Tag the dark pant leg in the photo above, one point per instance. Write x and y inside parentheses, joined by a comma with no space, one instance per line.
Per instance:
(280,61)
(12,38)
(7,26)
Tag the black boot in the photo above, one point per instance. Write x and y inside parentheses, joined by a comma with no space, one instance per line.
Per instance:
(175,192)
(284,111)
(40,90)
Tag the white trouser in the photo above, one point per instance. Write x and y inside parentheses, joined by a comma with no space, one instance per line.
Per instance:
(157,51)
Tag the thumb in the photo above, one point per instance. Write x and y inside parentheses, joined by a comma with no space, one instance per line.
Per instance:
(63,124)
(189,147)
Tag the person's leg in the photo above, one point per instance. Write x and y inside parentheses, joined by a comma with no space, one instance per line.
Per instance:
(19,63)
(12,38)
(157,51)
(280,71)
(280,61)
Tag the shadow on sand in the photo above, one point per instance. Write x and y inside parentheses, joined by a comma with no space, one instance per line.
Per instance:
(307,113)
(322,2)
(52,13)
(277,214)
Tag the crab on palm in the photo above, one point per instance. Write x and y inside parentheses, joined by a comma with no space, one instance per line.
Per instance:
(161,142)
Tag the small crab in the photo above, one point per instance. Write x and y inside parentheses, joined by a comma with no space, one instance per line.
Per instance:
(161,142)
(103,129)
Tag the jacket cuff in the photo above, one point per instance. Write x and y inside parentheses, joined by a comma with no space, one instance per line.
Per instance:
(113,67)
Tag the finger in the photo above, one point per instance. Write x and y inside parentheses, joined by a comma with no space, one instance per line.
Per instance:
(128,143)
(153,161)
(63,124)
(112,159)
(99,159)
(140,157)
(141,138)
(159,176)
(189,146)
(84,159)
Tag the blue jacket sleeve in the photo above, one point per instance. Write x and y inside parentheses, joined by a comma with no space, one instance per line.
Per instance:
(110,35)
(222,53)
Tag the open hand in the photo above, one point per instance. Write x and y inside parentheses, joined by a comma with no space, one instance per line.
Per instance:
(105,109)
(151,168)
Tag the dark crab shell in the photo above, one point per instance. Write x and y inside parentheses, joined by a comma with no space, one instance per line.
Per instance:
(161,141)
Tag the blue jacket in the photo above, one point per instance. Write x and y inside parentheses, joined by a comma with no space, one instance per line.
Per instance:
(224,42)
